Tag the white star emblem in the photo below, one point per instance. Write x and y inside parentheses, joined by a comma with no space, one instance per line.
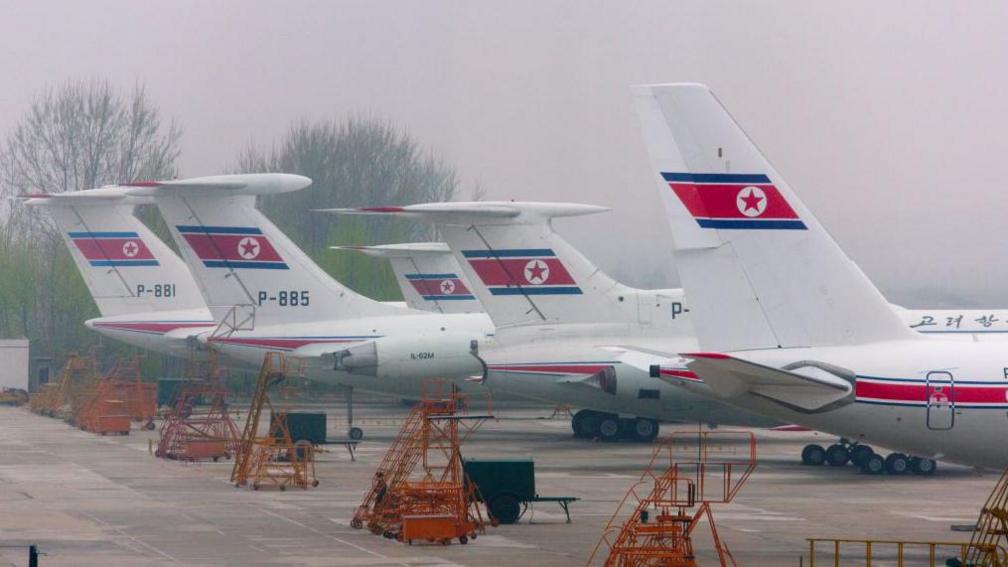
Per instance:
(751,201)
(536,272)
(130,249)
(447,287)
(248,248)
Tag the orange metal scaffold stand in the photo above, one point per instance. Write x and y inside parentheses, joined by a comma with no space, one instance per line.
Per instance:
(654,524)
(419,491)
(116,398)
(78,372)
(273,460)
(191,432)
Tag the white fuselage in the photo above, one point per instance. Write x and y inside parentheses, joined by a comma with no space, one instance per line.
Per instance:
(556,363)
(934,397)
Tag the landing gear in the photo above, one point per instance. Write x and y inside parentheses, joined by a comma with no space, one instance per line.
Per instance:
(859,454)
(837,455)
(923,467)
(585,424)
(813,455)
(874,464)
(590,424)
(866,459)
(354,433)
(644,430)
(897,463)
(609,428)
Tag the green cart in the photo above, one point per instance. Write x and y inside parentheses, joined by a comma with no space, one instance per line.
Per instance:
(508,487)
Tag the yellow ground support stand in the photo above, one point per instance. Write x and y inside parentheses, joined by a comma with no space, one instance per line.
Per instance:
(273,460)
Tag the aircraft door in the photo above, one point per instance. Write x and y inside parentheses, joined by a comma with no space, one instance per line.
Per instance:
(940,391)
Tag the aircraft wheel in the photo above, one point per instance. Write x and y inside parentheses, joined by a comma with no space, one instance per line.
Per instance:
(813,455)
(923,467)
(609,428)
(577,420)
(897,463)
(837,455)
(859,454)
(645,430)
(356,433)
(874,464)
(588,425)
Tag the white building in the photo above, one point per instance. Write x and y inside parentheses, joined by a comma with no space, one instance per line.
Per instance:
(14,363)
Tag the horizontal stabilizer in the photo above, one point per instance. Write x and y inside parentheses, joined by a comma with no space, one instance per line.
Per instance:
(406,250)
(808,387)
(478,212)
(246,184)
(113,194)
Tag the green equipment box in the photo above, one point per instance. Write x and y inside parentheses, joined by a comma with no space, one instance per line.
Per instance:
(310,427)
(508,487)
(493,477)
(168,389)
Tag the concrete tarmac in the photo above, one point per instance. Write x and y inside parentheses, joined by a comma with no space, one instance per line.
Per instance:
(92,500)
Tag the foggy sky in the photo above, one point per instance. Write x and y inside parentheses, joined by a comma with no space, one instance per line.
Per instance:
(888,119)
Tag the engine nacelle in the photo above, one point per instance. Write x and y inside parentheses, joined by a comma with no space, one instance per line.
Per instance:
(446,355)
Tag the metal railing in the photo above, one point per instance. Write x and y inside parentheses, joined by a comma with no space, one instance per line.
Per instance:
(871,547)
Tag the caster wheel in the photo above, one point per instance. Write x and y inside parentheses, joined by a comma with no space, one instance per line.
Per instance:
(874,464)
(897,463)
(813,455)
(356,523)
(837,455)
(859,454)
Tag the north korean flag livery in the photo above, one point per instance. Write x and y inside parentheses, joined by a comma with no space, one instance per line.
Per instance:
(113,249)
(733,201)
(531,271)
(232,247)
(440,287)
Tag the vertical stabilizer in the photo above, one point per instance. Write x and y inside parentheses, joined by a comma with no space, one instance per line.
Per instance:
(758,268)
(428,275)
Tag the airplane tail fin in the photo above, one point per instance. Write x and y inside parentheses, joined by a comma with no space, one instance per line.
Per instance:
(428,276)
(522,271)
(127,268)
(241,260)
(759,269)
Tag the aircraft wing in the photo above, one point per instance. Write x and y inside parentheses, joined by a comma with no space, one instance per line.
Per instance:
(806,386)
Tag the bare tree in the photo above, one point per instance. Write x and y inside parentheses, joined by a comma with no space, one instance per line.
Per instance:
(79,135)
(353,162)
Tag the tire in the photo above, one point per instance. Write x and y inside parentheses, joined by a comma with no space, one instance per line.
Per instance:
(923,467)
(588,425)
(576,420)
(874,464)
(356,523)
(609,428)
(897,463)
(645,430)
(356,433)
(463,540)
(505,508)
(813,455)
(859,454)
(837,455)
